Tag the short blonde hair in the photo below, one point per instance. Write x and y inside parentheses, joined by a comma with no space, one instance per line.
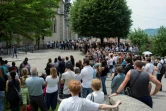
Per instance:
(96,84)
(74,86)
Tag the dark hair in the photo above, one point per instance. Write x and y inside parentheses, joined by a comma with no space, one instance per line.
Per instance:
(49,60)
(26,59)
(13,75)
(55,60)
(2,62)
(6,61)
(77,64)
(138,63)
(86,61)
(103,63)
(71,57)
(119,69)
(67,58)
(59,58)
(148,59)
(13,63)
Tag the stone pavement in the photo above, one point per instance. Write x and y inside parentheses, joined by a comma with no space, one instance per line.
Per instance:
(39,59)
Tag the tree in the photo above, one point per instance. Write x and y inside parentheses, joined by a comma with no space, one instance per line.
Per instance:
(100,18)
(140,38)
(27,18)
(159,42)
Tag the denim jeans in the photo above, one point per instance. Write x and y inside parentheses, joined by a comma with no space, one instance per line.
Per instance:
(103,79)
(51,100)
(2,96)
(85,91)
(159,77)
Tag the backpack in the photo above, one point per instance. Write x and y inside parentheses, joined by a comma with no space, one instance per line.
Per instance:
(162,70)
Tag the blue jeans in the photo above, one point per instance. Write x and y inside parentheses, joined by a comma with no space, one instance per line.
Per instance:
(51,100)
(2,96)
(103,79)
(85,91)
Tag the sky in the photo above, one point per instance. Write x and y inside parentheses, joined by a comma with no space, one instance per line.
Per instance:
(147,13)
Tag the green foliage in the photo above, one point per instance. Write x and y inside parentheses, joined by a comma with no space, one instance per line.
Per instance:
(139,38)
(159,42)
(26,18)
(100,18)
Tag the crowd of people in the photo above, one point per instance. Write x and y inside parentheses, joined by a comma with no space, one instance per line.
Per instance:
(80,84)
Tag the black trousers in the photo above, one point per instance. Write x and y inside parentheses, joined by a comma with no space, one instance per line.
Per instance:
(38,101)
(159,77)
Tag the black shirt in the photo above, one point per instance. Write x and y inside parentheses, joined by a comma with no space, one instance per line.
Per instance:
(2,84)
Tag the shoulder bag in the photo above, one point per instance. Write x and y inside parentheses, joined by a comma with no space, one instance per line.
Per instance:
(92,97)
(128,90)
(18,93)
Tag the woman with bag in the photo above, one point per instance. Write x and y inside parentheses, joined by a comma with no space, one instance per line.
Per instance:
(13,89)
(139,84)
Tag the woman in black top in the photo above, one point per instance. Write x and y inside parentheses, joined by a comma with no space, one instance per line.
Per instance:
(103,75)
(2,90)
(72,61)
(12,86)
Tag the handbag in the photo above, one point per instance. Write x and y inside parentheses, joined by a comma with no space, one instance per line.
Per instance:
(18,93)
(28,108)
(128,90)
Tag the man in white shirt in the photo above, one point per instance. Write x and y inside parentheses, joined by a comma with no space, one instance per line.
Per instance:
(86,76)
(76,103)
(66,77)
(149,67)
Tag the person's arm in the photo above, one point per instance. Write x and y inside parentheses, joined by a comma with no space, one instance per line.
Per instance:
(62,79)
(105,106)
(156,82)
(7,86)
(122,86)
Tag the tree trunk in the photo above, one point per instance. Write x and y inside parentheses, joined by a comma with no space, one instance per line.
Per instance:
(118,43)
(102,40)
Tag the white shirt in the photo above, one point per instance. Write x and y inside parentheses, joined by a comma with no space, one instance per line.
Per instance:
(98,97)
(149,67)
(110,62)
(77,104)
(52,84)
(67,76)
(87,76)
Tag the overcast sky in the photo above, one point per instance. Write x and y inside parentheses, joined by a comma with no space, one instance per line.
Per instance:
(148,13)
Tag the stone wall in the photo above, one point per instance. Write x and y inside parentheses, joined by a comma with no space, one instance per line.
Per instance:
(128,104)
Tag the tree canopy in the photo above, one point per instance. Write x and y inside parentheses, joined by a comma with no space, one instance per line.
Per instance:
(100,18)
(155,44)
(140,38)
(27,18)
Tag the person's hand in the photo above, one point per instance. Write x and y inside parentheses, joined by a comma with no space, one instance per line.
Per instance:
(114,94)
(151,94)
(118,102)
